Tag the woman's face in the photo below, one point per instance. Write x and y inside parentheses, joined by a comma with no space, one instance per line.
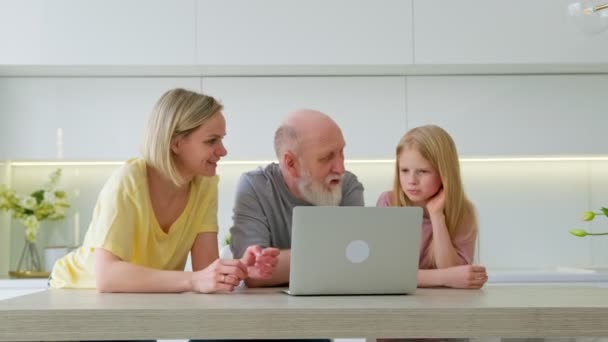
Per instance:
(198,152)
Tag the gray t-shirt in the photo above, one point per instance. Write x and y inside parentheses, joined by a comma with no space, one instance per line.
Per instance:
(264,205)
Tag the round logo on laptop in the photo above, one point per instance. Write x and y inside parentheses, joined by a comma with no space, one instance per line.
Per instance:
(357,251)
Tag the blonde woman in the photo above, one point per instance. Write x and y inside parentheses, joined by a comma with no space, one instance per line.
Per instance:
(153,211)
(427,175)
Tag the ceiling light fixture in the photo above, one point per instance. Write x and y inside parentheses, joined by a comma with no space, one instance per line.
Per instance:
(591,16)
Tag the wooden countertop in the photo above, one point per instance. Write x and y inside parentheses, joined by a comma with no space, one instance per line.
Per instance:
(505,311)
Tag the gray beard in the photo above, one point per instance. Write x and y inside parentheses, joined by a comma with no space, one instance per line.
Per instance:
(316,193)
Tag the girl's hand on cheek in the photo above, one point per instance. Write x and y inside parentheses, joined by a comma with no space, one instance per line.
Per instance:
(436,204)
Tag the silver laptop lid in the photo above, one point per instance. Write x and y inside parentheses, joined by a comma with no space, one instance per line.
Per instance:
(354,250)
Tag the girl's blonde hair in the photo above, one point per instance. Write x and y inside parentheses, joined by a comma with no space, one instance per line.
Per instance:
(435,145)
(178,112)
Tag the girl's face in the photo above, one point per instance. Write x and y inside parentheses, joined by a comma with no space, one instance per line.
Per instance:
(419,180)
(198,152)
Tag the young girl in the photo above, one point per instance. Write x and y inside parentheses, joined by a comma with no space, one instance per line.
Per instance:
(153,211)
(427,175)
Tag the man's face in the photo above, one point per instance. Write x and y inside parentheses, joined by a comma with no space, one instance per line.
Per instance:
(321,169)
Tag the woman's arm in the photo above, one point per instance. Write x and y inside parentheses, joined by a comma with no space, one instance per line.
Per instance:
(211,274)
(204,250)
(260,264)
(115,275)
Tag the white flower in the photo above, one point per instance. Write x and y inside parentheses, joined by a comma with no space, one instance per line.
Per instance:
(54,180)
(28,203)
(29,211)
(49,197)
(58,213)
(61,202)
(31,222)
(31,233)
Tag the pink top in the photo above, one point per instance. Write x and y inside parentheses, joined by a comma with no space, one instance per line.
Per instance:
(463,241)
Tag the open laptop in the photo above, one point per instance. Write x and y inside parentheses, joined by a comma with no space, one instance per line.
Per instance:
(354,250)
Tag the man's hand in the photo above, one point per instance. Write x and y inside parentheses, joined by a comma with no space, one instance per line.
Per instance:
(260,262)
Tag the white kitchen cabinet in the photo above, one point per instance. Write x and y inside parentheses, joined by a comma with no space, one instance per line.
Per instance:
(99,118)
(300,33)
(527,115)
(291,37)
(97,32)
(466,32)
(370,111)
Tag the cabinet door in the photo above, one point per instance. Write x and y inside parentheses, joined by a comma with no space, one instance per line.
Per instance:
(96,32)
(313,32)
(502,32)
(527,115)
(100,118)
(370,111)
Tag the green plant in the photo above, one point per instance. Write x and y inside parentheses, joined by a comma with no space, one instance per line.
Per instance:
(47,203)
(589,216)
(227,239)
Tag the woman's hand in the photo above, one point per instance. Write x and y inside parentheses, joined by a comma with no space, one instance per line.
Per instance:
(260,263)
(465,276)
(221,275)
(436,204)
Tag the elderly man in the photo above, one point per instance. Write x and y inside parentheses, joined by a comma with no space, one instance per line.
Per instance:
(310,149)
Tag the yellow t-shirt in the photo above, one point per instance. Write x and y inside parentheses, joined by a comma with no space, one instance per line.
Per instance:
(124,224)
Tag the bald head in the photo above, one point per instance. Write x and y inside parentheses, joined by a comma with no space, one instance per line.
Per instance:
(310,149)
(302,128)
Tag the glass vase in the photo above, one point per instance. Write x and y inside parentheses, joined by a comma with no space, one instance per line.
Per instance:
(29,265)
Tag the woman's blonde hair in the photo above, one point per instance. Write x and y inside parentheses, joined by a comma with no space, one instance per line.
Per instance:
(435,145)
(178,112)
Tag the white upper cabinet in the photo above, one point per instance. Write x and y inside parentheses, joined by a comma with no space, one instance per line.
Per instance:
(502,32)
(78,118)
(293,37)
(370,111)
(312,32)
(97,32)
(514,115)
